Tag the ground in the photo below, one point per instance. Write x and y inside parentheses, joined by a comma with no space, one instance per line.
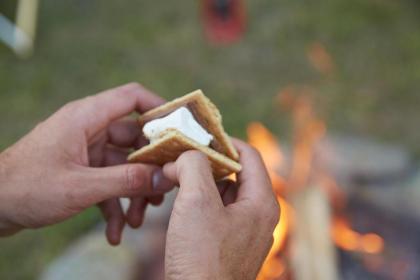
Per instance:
(369,85)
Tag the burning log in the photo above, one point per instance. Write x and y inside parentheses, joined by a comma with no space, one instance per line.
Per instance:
(313,252)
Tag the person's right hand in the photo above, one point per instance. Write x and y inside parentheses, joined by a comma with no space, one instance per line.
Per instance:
(219,232)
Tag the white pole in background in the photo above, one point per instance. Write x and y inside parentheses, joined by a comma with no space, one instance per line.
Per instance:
(20,36)
(26,21)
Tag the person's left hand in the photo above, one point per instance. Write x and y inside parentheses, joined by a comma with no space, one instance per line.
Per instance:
(76,159)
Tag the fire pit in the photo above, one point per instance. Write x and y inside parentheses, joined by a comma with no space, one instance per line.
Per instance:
(329,227)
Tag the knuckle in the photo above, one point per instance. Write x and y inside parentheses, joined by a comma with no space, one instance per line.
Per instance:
(85,104)
(71,109)
(40,126)
(70,106)
(128,89)
(134,85)
(89,99)
(273,214)
(268,214)
(192,157)
(134,179)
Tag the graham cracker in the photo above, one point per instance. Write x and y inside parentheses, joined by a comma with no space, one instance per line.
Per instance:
(173,143)
(205,113)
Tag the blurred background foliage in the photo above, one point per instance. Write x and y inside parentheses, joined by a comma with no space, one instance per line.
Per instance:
(85,46)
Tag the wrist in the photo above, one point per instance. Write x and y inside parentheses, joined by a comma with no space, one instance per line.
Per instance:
(206,271)
(6,226)
(205,275)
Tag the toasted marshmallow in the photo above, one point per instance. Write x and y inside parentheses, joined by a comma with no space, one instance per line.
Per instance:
(181,120)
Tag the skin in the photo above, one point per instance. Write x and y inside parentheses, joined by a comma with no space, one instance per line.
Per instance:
(77,158)
(219,231)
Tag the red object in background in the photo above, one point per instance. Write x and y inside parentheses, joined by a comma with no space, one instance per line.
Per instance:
(224,20)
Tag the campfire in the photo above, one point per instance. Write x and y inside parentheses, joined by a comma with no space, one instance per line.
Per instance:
(313,224)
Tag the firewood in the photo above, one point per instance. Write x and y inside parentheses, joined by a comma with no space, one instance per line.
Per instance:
(313,253)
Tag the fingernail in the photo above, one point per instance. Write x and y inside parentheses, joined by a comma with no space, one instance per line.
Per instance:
(160,182)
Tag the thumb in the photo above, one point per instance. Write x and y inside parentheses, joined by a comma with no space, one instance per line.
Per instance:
(124,180)
(193,172)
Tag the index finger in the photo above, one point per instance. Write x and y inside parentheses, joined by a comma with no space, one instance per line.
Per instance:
(95,112)
(253,180)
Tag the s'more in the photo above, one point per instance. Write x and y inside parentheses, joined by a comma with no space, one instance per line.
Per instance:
(190,122)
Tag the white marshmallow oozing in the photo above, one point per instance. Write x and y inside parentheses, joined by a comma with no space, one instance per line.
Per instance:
(182,120)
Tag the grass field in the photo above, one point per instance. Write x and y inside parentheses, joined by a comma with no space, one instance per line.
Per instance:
(84,46)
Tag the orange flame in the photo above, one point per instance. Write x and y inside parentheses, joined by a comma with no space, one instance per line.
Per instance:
(350,240)
(274,267)
(280,232)
(262,139)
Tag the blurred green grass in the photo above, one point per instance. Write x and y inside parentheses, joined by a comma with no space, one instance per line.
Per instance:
(84,46)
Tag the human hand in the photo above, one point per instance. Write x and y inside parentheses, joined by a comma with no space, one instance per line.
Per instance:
(219,232)
(76,159)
